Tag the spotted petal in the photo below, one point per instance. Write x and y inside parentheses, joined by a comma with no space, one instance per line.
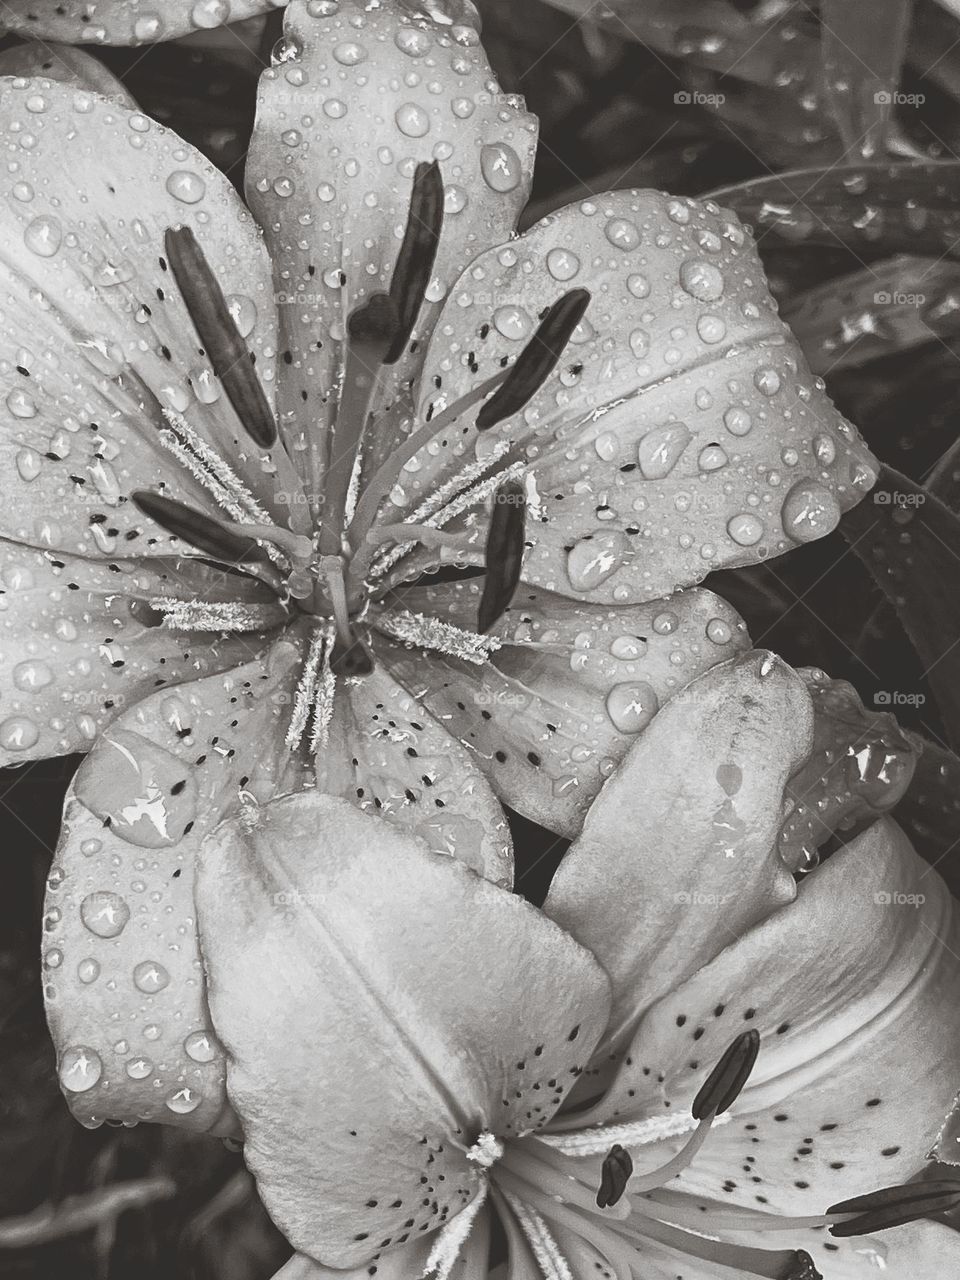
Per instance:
(388,754)
(918,1251)
(95,340)
(360,95)
(82,643)
(124,22)
(853,990)
(554,710)
(354,980)
(403,1263)
(68,65)
(681,431)
(678,855)
(125,989)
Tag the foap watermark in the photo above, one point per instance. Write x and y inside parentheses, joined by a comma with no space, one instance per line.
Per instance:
(500,698)
(897,298)
(897,498)
(696,898)
(895,898)
(897,698)
(694,98)
(894,98)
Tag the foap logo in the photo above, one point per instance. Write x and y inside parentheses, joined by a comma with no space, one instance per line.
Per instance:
(695,898)
(897,298)
(500,698)
(888,98)
(693,98)
(895,898)
(897,498)
(897,698)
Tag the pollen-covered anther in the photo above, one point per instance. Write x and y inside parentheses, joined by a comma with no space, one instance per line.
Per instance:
(210,615)
(486,1151)
(536,361)
(725,1082)
(614,1176)
(430,633)
(895,1206)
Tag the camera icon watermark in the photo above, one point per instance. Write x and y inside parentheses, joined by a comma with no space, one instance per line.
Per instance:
(696,898)
(693,98)
(897,698)
(896,898)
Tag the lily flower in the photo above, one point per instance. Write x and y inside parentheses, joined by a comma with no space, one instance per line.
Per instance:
(686,1064)
(239,439)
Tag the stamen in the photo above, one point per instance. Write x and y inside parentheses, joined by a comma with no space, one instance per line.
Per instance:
(370,330)
(486,1151)
(597,1140)
(208,535)
(725,1082)
(305,695)
(246,505)
(226,350)
(414,266)
(202,615)
(326,691)
(545,1249)
(537,360)
(406,533)
(504,552)
(896,1206)
(617,1168)
(773,1264)
(452,1237)
(443,637)
(682,1160)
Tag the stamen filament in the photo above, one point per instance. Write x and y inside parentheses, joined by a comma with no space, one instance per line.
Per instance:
(546,1251)
(332,569)
(772,1264)
(682,1160)
(723,1219)
(430,633)
(409,533)
(565,1186)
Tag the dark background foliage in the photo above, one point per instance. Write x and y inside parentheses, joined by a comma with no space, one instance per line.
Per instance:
(780,106)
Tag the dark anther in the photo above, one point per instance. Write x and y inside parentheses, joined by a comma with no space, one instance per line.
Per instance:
(536,361)
(896,1206)
(614,1176)
(226,350)
(414,265)
(374,323)
(207,535)
(722,1086)
(802,1267)
(504,552)
(351,659)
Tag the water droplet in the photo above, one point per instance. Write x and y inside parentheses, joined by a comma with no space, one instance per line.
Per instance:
(80,1069)
(664,624)
(188,187)
(639,343)
(737,421)
(767,381)
(638,285)
(500,166)
(43,236)
(711,328)
(202,1046)
(660,449)
(31,676)
(719,632)
(631,706)
(349,53)
(29,464)
(150,977)
(562,264)
(104,913)
(512,322)
(606,446)
(712,458)
(455,199)
(825,450)
(88,970)
(208,14)
(139,1068)
(148,26)
(622,233)
(412,120)
(53,958)
(592,560)
(628,648)
(413,41)
(18,733)
(20,404)
(702,280)
(243,312)
(182,1101)
(809,511)
(147,793)
(745,529)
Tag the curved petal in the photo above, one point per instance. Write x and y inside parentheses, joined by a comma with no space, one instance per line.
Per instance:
(81,643)
(360,95)
(918,1251)
(552,712)
(404,1263)
(65,64)
(124,984)
(681,430)
(95,340)
(367,993)
(853,990)
(125,22)
(678,854)
(388,755)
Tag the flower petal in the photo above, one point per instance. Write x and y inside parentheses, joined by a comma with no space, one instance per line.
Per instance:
(918,1251)
(124,985)
(388,755)
(367,993)
(124,22)
(95,340)
(681,431)
(678,854)
(404,1263)
(81,643)
(853,989)
(65,64)
(358,97)
(554,710)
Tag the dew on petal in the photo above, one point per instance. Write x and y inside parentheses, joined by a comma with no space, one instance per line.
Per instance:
(632,705)
(809,511)
(18,733)
(500,166)
(43,236)
(702,280)
(80,1068)
(104,913)
(182,1101)
(150,977)
(201,1046)
(592,560)
(660,449)
(88,970)
(188,187)
(745,529)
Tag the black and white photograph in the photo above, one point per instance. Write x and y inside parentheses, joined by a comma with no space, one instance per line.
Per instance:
(480,639)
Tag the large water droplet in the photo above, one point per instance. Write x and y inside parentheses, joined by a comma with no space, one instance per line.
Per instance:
(592,560)
(201,1046)
(500,166)
(43,236)
(18,733)
(412,120)
(702,280)
(182,1101)
(148,795)
(809,511)
(562,264)
(631,706)
(80,1069)
(660,449)
(104,913)
(150,977)
(745,529)
(188,187)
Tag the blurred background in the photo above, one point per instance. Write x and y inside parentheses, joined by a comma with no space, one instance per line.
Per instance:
(832,128)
